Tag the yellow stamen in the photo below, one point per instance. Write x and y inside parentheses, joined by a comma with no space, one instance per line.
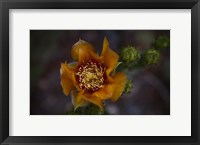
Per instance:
(91,76)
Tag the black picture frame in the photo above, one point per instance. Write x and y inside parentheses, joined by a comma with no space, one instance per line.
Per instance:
(5,5)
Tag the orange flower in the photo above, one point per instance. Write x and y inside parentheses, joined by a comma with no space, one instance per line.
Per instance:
(92,78)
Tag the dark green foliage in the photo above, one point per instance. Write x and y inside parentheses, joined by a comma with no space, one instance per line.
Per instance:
(90,109)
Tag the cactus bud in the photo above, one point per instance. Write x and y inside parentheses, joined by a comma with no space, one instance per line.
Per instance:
(128,86)
(151,56)
(162,42)
(129,54)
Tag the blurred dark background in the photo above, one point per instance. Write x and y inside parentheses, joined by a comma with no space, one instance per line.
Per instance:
(48,48)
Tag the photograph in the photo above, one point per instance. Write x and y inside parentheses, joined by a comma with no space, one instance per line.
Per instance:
(99,72)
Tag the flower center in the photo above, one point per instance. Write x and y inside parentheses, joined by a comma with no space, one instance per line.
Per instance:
(90,76)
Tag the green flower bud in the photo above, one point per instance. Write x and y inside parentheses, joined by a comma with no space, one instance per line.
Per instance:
(129,54)
(162,42)
(128,86)
(151,56)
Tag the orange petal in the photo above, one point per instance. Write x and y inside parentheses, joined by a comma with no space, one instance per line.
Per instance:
(109,56)
(68,81)
(104,93)
(94,100)
(83,50)
(78,99)
(118,85)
